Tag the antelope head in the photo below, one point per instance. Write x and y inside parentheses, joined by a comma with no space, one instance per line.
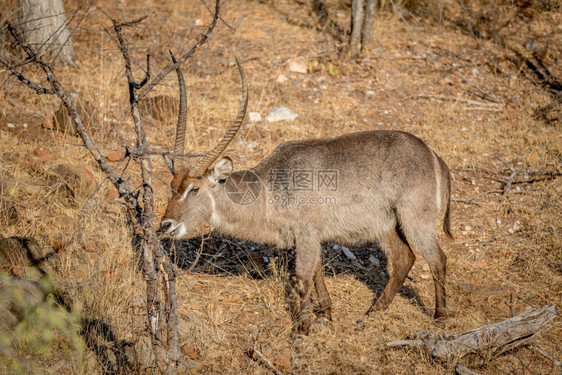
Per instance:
(194,189)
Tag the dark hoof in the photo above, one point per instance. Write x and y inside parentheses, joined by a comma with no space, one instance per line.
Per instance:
(440,316)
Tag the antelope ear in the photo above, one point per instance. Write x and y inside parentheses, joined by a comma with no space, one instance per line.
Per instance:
(221,171)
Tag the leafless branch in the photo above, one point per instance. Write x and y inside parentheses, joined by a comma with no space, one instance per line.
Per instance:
(202,40)
(555,361)
(471,200)
(212,14)
(257,355)
(457,99)
(197,255)
(153,254)
(32,85)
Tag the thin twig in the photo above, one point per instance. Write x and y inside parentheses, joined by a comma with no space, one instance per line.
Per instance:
(202,40)
(404,343)
(198,254)
(461,369)
(212,14)
(267,362)
(545,354)
(32,85)
(128,23)
(472,201)
(456,99)
(254,352)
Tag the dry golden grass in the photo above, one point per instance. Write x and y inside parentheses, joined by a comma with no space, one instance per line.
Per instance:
(509,244)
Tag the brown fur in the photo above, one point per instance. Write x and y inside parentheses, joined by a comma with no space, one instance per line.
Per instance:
(391,188)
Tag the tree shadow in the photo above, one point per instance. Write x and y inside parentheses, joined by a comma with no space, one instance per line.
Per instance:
(223,255)
(114,356)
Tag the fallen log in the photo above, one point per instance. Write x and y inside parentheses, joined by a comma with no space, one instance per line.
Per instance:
(488,341)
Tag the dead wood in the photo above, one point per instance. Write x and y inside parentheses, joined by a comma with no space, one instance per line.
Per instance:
(489,341)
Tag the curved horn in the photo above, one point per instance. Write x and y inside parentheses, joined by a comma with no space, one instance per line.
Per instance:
(206,162)
(179,145)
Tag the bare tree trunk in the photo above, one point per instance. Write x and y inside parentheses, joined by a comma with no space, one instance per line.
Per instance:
(367,30)
(356,26)
(44,26)
(158,272)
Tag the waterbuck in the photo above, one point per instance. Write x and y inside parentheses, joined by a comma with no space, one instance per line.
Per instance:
(387,187)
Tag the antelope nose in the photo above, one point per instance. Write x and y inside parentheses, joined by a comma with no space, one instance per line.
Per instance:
(166,226)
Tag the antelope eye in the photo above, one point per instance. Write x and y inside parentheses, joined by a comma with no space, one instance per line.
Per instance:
(194,190)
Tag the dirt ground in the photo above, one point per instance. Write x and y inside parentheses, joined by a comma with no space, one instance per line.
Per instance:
(480,83)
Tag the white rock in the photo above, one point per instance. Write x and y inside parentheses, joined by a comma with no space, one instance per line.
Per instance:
(254,117)
(297,65)
(370,93)
(281,113)
(10,125)
(252,145)
(281,78)
(348,253)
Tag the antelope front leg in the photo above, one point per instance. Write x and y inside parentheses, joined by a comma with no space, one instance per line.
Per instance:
(323,296)
(308,261)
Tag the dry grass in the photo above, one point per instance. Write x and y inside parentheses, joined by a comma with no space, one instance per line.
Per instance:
(509,244)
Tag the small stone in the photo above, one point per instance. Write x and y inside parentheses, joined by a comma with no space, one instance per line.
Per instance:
(113,156)
(10,125)
(281,113)
(348,253)
(425,276)
(48,124)
(112,195)
(283,363)
(42,154)
(370,93)
(190,351)
(281,78)
(254,117)
(59,245)
(31,189)
(21,252)
(77,180)
(66,222)
(297,65)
